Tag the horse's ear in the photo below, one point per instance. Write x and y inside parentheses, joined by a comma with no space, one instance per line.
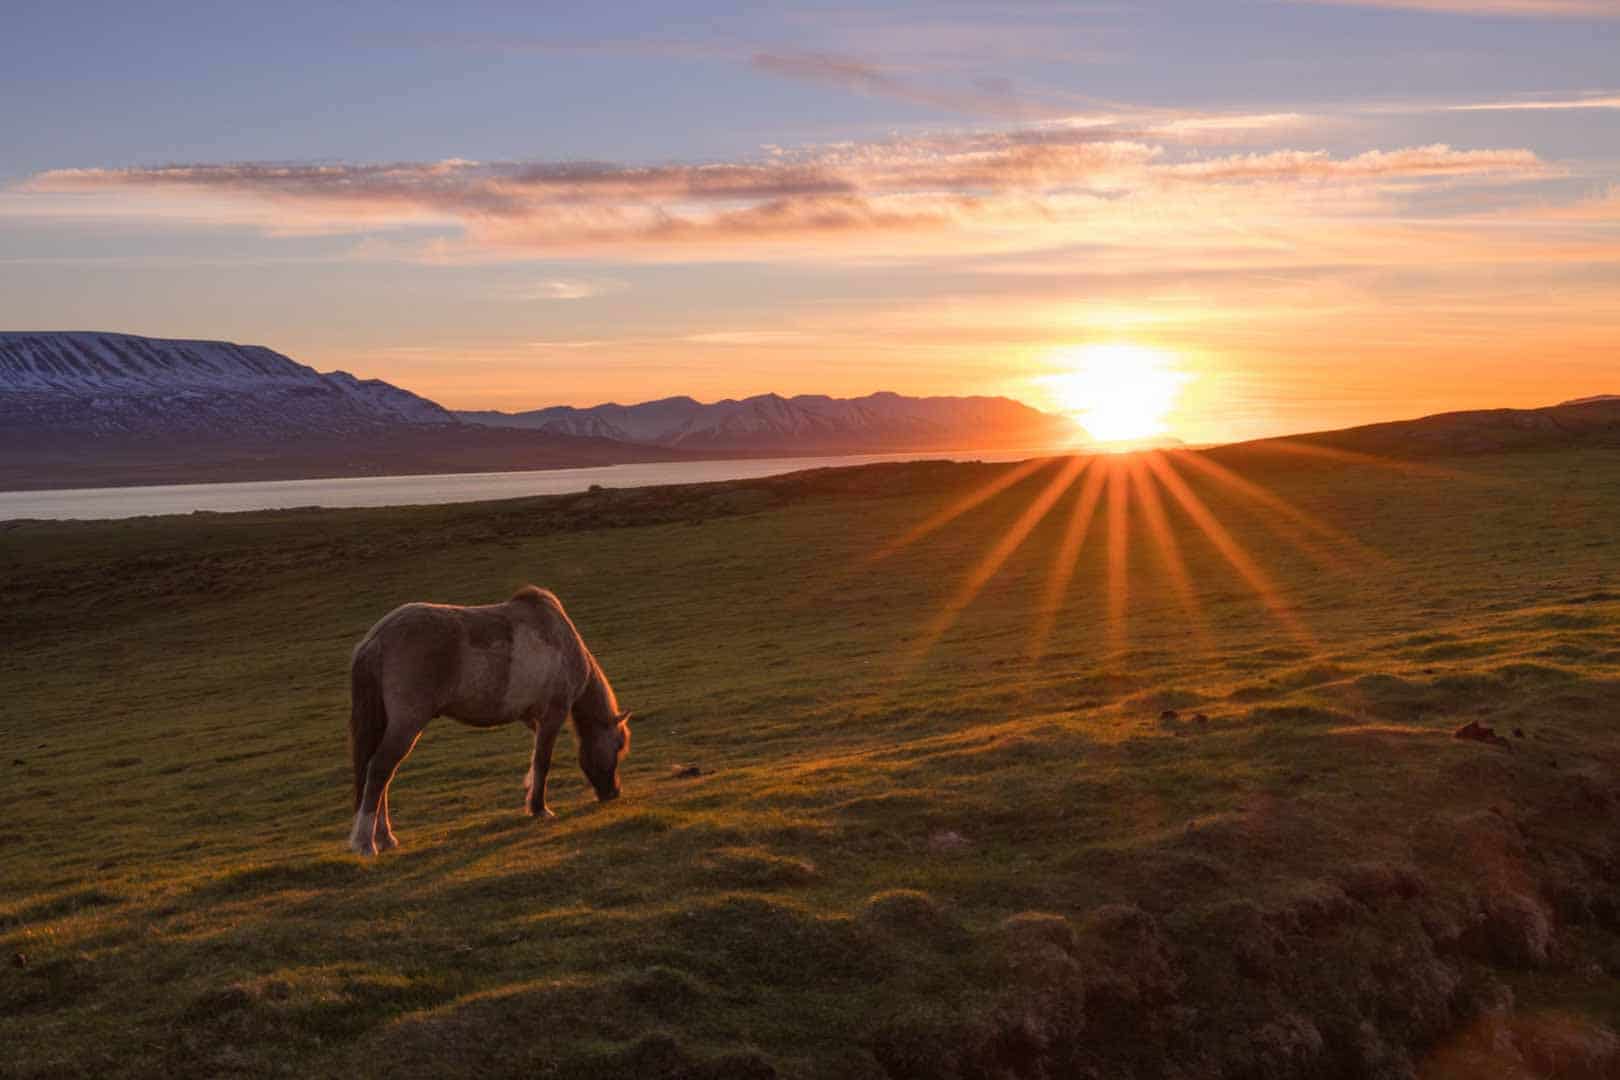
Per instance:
(624,717)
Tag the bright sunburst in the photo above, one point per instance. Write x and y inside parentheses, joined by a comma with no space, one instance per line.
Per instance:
(1118,391)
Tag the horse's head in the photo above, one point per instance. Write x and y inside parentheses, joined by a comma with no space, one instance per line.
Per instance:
(599,754)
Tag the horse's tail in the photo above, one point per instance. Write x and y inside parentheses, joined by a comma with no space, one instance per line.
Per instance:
(368,717)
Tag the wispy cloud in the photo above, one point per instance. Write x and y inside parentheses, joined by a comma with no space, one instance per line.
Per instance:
(1532,105)
(1410,163)
(999,190)
(982,97)
(568,289)
(751,337)
(1590,9)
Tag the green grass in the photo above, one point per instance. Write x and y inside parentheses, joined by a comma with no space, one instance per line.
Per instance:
(958,860)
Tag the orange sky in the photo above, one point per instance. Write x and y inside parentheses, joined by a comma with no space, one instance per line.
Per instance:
(1408,206)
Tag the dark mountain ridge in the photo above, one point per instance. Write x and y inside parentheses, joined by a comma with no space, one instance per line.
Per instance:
(65,386)
(85,409)
(770,423)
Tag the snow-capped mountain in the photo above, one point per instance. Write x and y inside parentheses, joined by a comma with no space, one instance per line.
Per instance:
(770,422)
(76,385)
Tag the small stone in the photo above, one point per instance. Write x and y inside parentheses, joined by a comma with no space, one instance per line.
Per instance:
(682,772)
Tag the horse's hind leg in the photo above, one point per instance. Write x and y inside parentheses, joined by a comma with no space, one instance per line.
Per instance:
(367,838)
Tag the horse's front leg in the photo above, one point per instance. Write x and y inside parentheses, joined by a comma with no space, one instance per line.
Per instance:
(545,737)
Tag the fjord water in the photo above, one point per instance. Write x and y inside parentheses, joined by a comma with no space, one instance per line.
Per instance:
(127,502)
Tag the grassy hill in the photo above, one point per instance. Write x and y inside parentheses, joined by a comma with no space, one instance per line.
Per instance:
(930,834)
(1592,423)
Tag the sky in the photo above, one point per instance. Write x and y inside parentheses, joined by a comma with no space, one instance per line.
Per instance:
(1286,215)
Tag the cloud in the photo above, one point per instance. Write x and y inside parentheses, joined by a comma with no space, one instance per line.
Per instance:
(1595,100)
(568,289)
(1194,126)
(1412,163)
(842,71)
(1000,190)
(751,337)
(1592,9)
(1532,105)
(985,96)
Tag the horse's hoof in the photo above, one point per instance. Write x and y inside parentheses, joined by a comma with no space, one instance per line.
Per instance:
(545,813)
(365,850)
(387,843)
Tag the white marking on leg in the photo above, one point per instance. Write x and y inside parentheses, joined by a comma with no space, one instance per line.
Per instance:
(360,839)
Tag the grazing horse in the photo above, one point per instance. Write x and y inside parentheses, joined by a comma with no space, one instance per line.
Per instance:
(484,666)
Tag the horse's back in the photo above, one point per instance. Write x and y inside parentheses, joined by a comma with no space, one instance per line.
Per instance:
(413,653)
(486,664)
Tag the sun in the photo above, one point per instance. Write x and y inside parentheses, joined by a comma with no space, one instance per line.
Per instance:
(1118,391)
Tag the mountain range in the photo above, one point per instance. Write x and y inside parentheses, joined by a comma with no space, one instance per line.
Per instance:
(58,386)
(810,422)
(86,408)
(83,409)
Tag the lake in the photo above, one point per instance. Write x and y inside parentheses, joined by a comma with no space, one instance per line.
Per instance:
(126,502)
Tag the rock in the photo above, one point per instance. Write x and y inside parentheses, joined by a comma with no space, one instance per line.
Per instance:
(683,772)
(1517,930)
(1130,961)
(912,912)
(1480,733)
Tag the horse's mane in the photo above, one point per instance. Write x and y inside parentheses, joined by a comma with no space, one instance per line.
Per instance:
(534,594)
(597,705)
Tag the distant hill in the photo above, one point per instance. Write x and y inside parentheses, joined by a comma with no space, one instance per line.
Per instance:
(74,386)
(94,409)
(812,423)
(1593,422)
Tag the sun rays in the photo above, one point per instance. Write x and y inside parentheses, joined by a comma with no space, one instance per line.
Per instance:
(1135,522)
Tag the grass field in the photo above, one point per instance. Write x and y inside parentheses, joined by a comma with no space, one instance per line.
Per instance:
(933,834)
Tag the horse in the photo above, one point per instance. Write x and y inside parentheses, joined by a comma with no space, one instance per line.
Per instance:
(519,661)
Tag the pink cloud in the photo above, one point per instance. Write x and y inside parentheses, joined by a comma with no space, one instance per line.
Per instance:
(1412,162)
(1523,8)
(1001,190)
